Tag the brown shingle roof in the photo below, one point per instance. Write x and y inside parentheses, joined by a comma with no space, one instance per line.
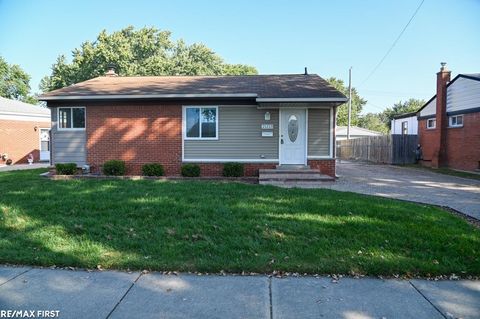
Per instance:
(261,86)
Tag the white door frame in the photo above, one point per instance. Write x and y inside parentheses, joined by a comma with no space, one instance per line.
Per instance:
(280,128)
(40,144)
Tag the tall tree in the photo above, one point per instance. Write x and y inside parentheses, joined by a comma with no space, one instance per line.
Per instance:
(412,105)
(147,51)
(373,121)
(357,103)
(14,82)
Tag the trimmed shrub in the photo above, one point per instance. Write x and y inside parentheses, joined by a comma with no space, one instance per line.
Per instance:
(233,169)
(190,170)
(66,168)
(114,168)
(152,169)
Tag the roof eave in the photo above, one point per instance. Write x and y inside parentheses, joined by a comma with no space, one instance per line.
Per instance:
(144,96)
(304,99)
(405,115)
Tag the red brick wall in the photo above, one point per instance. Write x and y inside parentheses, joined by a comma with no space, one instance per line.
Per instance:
(462,144)
(19,138)
(427,138)
(216,169)
(443,77)
(137,134)
(325,166)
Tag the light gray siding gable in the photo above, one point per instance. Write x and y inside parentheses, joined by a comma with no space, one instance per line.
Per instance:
(463,94)
(239,137)
(67,146)
(319,131)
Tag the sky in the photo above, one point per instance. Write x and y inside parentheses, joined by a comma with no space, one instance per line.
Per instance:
(276,37)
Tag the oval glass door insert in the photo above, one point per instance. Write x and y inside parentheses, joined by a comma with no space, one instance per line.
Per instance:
(292,128)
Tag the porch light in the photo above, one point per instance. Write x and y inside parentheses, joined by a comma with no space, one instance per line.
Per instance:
(267,116)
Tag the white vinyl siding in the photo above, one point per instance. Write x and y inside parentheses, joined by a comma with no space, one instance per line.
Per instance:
(430,109)
(463,94)
(396,125)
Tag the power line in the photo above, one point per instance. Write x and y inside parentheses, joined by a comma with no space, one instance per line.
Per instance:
(375,106)
(396,92)
(393,44)
(397,95)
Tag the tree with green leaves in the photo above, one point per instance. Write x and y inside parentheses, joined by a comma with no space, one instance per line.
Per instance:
(342,111)
(381,121)
(412,105)
(15,83)
(146,51)
(373,122)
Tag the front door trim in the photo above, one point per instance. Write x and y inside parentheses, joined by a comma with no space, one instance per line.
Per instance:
(44,155)
(280,132)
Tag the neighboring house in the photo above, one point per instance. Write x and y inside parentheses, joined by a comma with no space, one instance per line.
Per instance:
(259,120)
(355,132)
(405,124)
(24,130)
(449,123)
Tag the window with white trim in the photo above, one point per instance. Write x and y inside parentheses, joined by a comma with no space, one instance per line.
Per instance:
(455,121)
(431,123)
(405,128)
(201,122)
(71,118)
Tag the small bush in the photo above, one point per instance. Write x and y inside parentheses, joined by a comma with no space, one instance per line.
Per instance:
(233,169)
(190,170)
(152,169)
(114,168)
(66,168)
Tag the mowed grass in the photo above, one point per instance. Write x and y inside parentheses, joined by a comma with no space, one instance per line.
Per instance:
(446,171)
(209,227)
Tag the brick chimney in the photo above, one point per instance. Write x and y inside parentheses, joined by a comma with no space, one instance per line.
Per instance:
(440,156)
(111,71)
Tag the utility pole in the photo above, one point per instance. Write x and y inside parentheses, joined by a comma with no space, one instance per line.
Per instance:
(349,101)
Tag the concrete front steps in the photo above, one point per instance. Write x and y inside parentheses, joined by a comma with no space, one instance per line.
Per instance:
(304,177)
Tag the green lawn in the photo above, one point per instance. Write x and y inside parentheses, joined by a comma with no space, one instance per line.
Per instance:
(446,171)
(208,227)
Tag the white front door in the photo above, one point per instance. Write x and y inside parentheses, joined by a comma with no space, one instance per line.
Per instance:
(293,136)
(44,144)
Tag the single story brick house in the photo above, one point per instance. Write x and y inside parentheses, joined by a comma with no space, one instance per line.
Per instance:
(24,130)
(262,121)
(449,123)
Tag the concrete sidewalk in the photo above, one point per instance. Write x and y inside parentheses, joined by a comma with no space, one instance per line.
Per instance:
(21,167)
(113,294)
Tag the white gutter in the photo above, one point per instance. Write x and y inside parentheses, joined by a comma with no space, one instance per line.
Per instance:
(305,99)
(25,114)
(144,96)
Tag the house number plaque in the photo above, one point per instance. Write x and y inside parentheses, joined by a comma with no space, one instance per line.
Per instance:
(267,126)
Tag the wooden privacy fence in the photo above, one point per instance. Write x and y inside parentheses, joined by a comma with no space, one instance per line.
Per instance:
(386,149)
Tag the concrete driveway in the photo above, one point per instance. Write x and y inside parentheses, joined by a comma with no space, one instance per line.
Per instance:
(115,294)
(411,184)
